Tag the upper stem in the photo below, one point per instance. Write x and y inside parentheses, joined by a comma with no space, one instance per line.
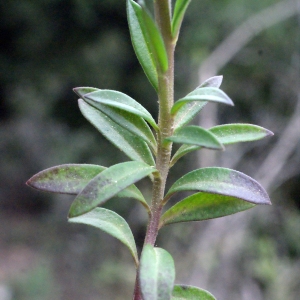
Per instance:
(165,120)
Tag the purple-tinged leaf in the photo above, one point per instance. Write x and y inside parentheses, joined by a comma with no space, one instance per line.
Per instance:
(111,223)
(65,179)
(203,206)
(108,184)
(221,181)
(72,178)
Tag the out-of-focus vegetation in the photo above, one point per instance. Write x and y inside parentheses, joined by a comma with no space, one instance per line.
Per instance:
(49,47)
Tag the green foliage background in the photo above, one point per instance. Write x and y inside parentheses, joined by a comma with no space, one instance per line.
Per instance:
(49,47)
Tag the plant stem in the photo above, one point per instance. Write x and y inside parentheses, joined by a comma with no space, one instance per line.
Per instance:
(165,123)
(165,120)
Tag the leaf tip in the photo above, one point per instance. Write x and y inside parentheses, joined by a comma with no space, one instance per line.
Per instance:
(269,132)
(29,182)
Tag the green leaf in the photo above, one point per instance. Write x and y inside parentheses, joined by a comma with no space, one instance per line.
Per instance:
(65,179)
(187,292)
(131,145)
(133,123)
(203,94)
(111,223)
(179,11)
(107,184)
(183,150)
(190,109)
(203,206)
(140,42)
(153,38)
(227,134)
(195,135)
(221,181)
(157,273)
(235,133)
(121,101)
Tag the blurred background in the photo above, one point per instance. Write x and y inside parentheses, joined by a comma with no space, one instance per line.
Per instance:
(49,47)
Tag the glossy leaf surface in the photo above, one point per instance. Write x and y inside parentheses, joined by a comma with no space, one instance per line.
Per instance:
(179,11)
(157,273)
(190,109)
(121,101)
(196,135)
(221,181)
(65,179)
(131,145)
(203,94)
(107,184)
(187,292)
(235,133)
(111,223)
(140,41)
(203,206)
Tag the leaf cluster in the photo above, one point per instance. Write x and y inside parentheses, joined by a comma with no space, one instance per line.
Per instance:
(131,128)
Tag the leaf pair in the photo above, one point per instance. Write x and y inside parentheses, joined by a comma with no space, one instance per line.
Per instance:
(194,138)
(94,185)
(157,275)
(121,120)
(222,192)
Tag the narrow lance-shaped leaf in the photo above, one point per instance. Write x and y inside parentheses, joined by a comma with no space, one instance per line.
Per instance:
(121,101)
(221,181)
(187,292)
(131,145)
(133,123)
(227,134)
(157,273)
(235,133)
(65,179)
(140,42)
(111,223)
(196,135)
(190,109)
(203,206)
(154,39)
(179,11)
(72,178)
(203,94)
(107,184)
